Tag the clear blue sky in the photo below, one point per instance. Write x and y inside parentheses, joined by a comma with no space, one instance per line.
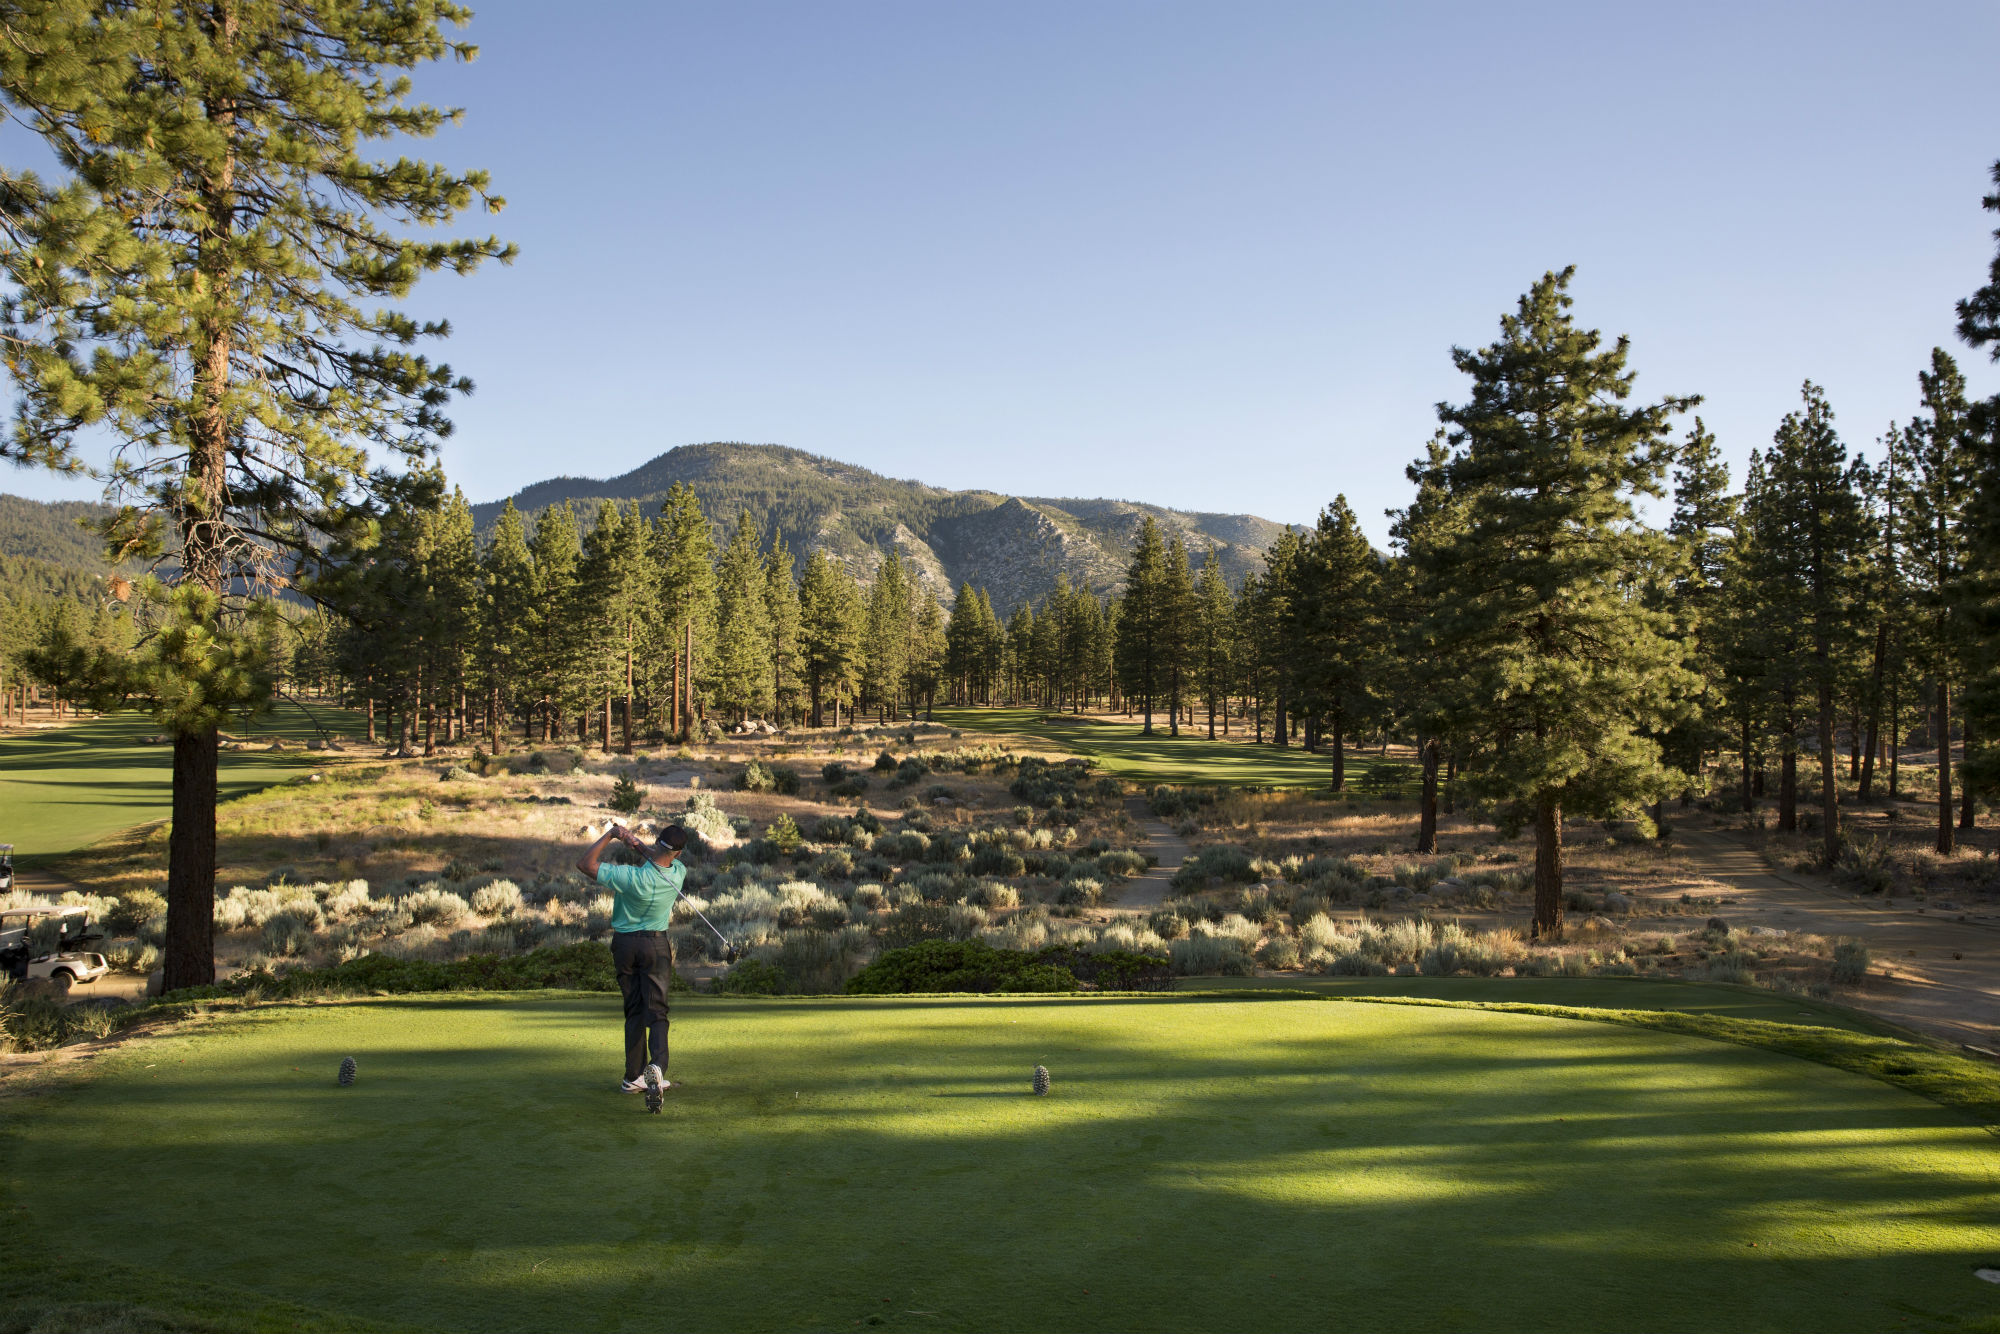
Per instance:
(1212,256)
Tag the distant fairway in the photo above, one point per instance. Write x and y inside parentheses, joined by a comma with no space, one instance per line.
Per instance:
(1189,758)
(1203,1164)
(67,787)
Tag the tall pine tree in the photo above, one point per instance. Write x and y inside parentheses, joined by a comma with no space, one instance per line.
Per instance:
(1567,671)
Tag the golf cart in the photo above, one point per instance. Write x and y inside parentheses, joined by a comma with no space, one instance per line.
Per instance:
(41,943)
(6,867)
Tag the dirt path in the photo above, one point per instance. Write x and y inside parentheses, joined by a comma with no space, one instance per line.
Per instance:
(1944,965)
(1148,891)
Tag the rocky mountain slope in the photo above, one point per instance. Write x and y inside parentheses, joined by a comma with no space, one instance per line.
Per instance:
(1012,546)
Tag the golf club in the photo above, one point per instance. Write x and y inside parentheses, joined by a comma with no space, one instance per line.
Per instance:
(728,950)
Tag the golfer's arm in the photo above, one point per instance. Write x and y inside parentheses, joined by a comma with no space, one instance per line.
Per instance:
(588,863)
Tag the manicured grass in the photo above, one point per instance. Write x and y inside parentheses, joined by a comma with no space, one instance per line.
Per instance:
(1204,1163)
(1124,750)
(67,787)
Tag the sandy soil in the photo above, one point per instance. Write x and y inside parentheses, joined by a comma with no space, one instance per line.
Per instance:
(1936,969)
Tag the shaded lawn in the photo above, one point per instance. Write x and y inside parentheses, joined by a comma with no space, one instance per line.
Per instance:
(1614,993)
(1203,1164)
(67,787)
(1125,751)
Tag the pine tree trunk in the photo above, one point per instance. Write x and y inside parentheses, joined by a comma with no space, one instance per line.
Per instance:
(1942,734)
(628,688)
(370,706)
(1340,755)
(1548,870)
(1788,790)
(190,944)
(1967,816)
(1895,738)
(1749,777)
(1427,826)
(1451,783)
(1829,779)
(604,737)
(1874,711)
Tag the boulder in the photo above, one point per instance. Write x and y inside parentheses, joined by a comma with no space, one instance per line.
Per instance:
(1717,924)
(1616,902)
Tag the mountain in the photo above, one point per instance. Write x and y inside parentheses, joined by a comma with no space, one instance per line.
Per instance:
(1012,546)
(47,552)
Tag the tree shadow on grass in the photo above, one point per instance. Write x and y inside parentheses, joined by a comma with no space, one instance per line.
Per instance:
(1199,1167)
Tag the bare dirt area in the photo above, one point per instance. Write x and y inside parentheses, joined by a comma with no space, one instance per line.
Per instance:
(1936,969)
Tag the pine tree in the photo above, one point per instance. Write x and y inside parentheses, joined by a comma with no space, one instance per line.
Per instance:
(556,641)
(1417,586)
(1143,622)
(886,636)
(964,639)
(1337,640)
(1937,488)
(611,592)
(1702,527)
(1215,640)
(450,571)
(684,569)
(506,591)
(1178,630)
(743,670)
(927,654)
(1566,670)
(191,282)
(830,620)
(781,603)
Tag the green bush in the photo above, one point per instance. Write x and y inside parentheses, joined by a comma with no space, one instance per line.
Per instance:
(1121,862)
(1112,970)
(914,923)
(585,966)
(958,965)
(1220,862)
(753,977)
(885,763)
(993,859)
(1209,956)
(133,911)
(1172,803)
(849,787)
(783,834)
(626,795)
(1850,962)
(756,777)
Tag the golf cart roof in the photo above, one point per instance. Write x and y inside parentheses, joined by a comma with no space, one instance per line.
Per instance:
(65,910)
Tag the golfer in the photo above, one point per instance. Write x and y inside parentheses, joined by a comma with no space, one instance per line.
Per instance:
(642,907)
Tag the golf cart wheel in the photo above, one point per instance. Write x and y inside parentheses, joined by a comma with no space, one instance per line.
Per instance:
(63,978)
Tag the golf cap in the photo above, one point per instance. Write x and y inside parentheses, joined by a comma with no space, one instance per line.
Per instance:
(673,836)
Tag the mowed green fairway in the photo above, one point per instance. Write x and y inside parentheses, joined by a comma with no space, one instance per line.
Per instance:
(1190,758)
(66,787)
(1203,1164)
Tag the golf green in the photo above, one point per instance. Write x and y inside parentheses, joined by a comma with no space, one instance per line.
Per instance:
(1203,1163)
(1122,749)
(64,787)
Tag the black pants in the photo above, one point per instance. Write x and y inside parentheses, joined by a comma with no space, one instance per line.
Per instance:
(645,962)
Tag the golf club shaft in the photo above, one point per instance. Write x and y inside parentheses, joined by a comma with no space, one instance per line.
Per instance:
(711,926)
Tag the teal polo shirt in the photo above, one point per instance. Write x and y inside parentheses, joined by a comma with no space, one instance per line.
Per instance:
(642,897)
